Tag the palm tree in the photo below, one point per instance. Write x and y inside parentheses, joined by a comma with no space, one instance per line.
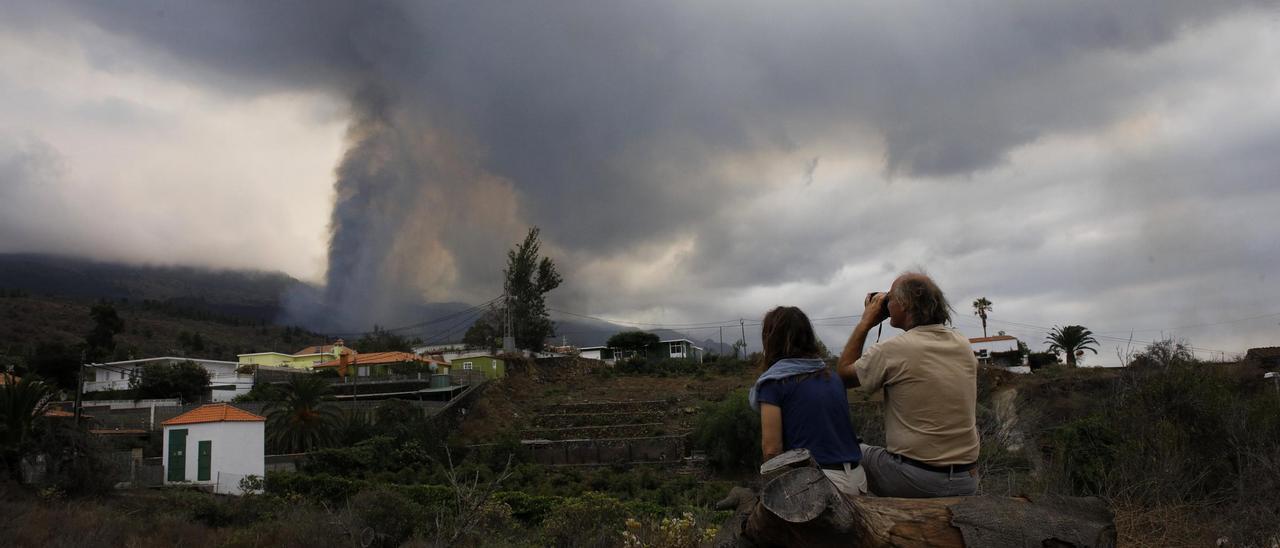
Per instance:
(20,404)
(1071,339)
(980,307)
(302,420)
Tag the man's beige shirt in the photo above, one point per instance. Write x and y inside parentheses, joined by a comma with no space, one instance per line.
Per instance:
(930,380)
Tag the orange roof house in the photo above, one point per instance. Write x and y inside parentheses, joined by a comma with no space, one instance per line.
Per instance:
(381,358)
(214,412)
(325,349)
(377,362)
(216,445)
(993,339)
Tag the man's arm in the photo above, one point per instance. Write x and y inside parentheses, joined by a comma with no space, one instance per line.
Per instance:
(871,317)
(770,430)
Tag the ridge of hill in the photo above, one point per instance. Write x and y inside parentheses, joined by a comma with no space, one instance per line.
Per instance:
(232,297)
(247,294)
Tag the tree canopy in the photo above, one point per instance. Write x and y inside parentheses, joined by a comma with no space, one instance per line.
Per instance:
(635,341)
(381,340)
(981,306)
(184,380)
(486,332)
(302,420)
(1071,339)
(528,279)
(100,341)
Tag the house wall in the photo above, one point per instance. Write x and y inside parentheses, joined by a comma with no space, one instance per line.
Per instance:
(116,380)
(492,368)
(274,360)
(242,383)
(238,450)
(277,359)
(995,346)
(307,361)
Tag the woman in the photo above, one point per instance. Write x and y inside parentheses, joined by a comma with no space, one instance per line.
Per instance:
(802,404)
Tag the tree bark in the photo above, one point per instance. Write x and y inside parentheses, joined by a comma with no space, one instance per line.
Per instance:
(802,508)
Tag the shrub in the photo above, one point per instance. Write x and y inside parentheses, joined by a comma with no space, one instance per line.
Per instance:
(530,509)
(592,519)
(1036,360)
(318,487)
(389,515)
(729,432)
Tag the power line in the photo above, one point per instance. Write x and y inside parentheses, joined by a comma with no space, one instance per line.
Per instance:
(629,322)
(419,324)
(1238,320)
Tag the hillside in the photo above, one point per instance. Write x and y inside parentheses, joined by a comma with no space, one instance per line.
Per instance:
(228,297)
(242,294)
(34,327)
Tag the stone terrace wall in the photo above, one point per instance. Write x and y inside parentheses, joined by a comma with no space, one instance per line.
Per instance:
(647,450)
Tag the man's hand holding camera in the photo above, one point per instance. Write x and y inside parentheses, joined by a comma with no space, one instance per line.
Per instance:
(875,309)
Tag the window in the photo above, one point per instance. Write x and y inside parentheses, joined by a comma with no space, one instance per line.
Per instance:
(362,371)
(677,349)
(467,366)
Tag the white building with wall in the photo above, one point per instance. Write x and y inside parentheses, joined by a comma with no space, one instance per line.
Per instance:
(224,382)
(995,351)
(679,349)
(215,445)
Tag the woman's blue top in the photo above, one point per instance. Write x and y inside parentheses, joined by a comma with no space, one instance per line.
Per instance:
(815,416)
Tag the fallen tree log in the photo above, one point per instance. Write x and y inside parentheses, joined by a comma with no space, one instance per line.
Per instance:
(802,508)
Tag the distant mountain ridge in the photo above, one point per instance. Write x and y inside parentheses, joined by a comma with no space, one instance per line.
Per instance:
(256,295)
(242,293)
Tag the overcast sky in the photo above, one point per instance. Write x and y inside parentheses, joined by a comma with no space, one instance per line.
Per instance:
(1114,164)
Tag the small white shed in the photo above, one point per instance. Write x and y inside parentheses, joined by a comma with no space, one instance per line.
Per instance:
(215,445)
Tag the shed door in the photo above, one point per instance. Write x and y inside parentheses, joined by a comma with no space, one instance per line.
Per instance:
(206,457)
(177,455)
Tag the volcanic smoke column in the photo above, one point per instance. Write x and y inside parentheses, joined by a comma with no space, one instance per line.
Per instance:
(376,189)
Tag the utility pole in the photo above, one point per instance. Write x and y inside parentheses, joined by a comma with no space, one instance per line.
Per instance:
(508,331)
(743,324)
(79,386)
(721,349)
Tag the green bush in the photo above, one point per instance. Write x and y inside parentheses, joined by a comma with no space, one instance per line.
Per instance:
(592,519)
(729,432)
(529,509)
(389,515)
(317,487)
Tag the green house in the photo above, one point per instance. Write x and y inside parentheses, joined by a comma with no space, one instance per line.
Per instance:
(492,367)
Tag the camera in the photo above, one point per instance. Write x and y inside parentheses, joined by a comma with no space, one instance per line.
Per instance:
(884,306)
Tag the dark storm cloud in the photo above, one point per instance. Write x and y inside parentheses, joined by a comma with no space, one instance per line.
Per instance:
(29,167)
(609,124)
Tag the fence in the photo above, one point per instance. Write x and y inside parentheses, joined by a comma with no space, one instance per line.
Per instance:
(649,450)
(150,418)
(129,469)
(227,483)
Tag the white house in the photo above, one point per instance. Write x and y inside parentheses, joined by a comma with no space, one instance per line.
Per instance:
(681,349)
(215,445)
(224,382)
(994,351)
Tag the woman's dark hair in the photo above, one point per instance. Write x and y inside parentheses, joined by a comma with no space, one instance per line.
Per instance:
(787,333)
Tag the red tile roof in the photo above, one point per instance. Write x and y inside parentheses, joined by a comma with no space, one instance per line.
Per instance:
(377,358)
(993,339)
(214,412)
(326,349)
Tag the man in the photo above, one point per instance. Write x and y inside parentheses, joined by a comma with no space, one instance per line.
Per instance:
(929,379)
